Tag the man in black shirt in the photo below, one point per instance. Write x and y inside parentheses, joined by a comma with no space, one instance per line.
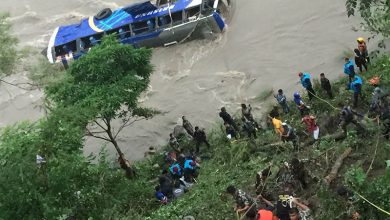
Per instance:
(283,204)
(227,118)
(325,85)
(200,137)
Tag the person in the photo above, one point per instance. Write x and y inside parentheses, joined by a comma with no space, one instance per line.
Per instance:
(360,60)
(283,205)
(122,34)
(325,85)
(190,170)
(298,171)
(82,45)
(166,185)
(247,112)
(261,179)
(150,24)
(200,137)
(174,143)
(64,62)
(385,119)
(277,126)
(249,128)
(244,203)
(160,196)
(274,113)
(306,83)
(289,134)
(349,68)
(230,132)
(300,212)
(346,117)
(376,99)
(176,171)
(265,212)
(356,86)
(188,126)
(282,100)
(362,47)
(311,125)
(227,118)
(303,109)
(93,40)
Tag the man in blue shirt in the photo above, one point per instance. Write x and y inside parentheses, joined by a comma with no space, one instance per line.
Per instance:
(349,68)
(356,86)
(306,83)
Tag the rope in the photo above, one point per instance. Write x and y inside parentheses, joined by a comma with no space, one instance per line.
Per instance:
(377,207)
(376,148)
(325,101)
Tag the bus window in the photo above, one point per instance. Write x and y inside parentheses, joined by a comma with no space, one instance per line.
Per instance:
(177,17)
(124,32)
(68,48)
(140,27)
(192,12)
(164,20)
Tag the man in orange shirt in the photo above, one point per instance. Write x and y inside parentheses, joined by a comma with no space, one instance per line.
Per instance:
(277,125)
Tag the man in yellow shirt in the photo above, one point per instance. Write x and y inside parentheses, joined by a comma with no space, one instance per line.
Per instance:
(277,125)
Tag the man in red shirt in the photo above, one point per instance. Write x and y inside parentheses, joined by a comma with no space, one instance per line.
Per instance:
(311,125)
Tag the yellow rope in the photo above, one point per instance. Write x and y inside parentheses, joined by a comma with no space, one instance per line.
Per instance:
(325,102)
(376,149)
(379,208)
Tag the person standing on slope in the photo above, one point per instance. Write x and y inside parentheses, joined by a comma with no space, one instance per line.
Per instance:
(188,126)
(356,86)
(349,69)
(227,118)
(362,47)
(303,109)
(282,100)
(306,83)
(325,85)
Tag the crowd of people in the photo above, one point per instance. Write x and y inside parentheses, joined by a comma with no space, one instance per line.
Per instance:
(286,206)
(182,167)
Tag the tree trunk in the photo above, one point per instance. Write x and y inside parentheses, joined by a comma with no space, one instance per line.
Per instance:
(333,173)
(123,162)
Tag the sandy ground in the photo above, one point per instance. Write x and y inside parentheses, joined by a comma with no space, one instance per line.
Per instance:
(264,46)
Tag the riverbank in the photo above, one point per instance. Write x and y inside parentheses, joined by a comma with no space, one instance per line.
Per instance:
(265,41)
(238,163)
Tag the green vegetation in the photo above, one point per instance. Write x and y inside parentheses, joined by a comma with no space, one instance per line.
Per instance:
(105,84)
(8,52)
(375,13)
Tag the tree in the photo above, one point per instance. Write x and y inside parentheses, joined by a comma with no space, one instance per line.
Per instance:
(376,14)
(104,85)
(8,52)
(66,184)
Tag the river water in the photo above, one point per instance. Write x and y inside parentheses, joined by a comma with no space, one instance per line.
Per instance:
(265,45)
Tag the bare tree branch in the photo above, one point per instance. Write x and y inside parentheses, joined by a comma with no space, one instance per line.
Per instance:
(101,126)
(96,136)
(127,123)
